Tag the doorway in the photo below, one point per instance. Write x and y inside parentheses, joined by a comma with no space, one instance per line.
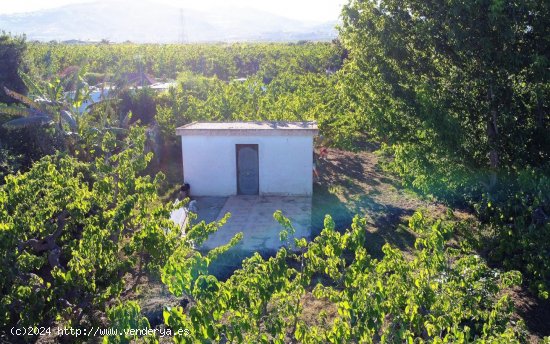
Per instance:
(248,171)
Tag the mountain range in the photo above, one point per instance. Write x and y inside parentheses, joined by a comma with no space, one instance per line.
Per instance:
(147,22)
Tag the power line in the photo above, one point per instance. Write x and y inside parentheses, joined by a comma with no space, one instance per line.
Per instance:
(183,33)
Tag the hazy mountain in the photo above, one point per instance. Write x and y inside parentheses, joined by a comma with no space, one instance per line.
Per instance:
(142,21)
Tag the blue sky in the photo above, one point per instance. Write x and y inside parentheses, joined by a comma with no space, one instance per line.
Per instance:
(307,10)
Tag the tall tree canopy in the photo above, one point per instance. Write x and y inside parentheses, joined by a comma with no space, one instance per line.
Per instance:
(459,93)
(463,81)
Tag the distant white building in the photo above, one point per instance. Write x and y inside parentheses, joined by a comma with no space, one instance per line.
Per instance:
(248,158)
(98,94)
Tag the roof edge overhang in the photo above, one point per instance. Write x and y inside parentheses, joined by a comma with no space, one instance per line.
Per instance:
(189,130)
(247,132)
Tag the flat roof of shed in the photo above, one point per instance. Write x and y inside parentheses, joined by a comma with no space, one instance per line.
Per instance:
(248,128)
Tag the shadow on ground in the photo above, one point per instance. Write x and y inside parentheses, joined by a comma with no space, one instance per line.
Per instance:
(351,184)
(224,266)
(535,312)
(384,221)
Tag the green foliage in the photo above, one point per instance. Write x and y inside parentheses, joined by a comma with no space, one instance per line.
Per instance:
(517,210)
(12,50)
(287,97)
(9,162)
(73,233)
(461,80)
(277,81)
(423,79)
(165,61)
(186,265)
(127,320)
(458,94)
(440,295)
(43,122)
(49,103)
(140,103)
(288,229)
(19,148)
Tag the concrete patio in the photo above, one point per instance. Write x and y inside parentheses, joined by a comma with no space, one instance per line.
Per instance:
(253,216)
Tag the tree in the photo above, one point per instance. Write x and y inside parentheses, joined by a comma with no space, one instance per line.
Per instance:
(458,92)
(11,58)
(50,103)
(440,294)
(76,235)
(462,81)
(27,143)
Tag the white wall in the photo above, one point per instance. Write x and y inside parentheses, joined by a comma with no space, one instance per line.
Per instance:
(285,164)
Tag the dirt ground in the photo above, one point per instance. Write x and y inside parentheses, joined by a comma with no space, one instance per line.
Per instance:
(353,183)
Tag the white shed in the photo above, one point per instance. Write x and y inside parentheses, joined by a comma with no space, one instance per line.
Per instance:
(248,158)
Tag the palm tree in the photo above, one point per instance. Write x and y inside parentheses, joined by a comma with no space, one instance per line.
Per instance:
(78,125)
(51,104)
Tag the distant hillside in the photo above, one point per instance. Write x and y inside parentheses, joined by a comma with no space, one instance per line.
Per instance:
(144,21)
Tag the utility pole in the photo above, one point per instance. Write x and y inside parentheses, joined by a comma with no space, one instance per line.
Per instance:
(183,34)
